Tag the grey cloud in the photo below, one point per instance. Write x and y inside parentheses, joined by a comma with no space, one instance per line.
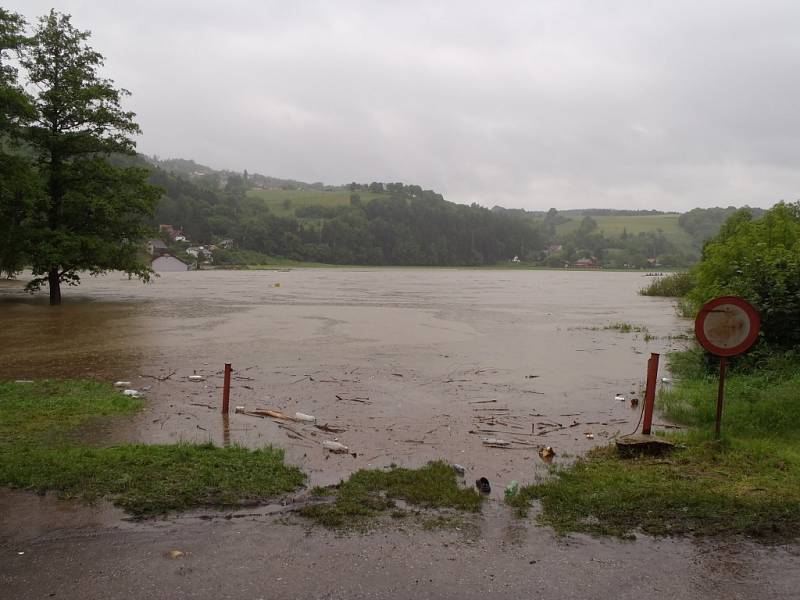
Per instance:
(531,104)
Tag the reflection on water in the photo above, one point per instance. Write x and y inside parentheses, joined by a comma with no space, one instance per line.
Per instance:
(78,339)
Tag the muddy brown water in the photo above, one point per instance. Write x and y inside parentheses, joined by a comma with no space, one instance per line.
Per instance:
(419,359)
(407,361)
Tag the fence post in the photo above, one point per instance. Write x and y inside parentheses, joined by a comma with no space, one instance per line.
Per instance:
(226,389)
(650,393)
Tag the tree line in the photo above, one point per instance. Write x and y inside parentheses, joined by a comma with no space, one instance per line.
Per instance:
(405,226)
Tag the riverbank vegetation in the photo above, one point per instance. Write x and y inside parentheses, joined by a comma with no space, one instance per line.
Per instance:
(368,494)
(674,285)
(43,426)
(748,483)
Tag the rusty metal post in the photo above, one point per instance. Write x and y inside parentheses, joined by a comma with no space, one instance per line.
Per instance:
(723,362)
(650,393)
(226,389)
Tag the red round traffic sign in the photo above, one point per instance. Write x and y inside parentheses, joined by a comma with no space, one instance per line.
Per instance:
(727,326)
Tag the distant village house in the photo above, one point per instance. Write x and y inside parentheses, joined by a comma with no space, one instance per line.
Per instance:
(586,263)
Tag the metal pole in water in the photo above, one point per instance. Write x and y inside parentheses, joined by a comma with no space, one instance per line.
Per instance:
(650,393)
(226,389)
(723,362)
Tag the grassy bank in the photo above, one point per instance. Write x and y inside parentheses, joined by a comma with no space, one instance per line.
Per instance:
(674,285)
(41,428)
(371,493)
(747,484)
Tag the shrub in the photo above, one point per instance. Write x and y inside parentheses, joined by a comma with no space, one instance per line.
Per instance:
(674,285)
(759,261)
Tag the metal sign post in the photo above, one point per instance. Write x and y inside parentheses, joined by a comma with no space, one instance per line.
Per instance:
(726,326)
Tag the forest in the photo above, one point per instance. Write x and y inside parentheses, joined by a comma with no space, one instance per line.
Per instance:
(400,224)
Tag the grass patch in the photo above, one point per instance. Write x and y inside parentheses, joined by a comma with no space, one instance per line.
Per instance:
(284,203)
(747,484)
(621,326)
(674,285)
(626,327)
(39,451)
(371,493)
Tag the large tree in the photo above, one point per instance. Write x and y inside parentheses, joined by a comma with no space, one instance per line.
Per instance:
(17,181)
(90,214)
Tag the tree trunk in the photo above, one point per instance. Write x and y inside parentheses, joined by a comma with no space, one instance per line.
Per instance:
(54,281)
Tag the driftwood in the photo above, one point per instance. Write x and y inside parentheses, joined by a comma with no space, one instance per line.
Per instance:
(274,414)
(330,428)
(157,378)
(363,400)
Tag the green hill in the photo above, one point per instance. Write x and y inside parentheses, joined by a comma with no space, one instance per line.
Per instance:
(613,226)
(284,203)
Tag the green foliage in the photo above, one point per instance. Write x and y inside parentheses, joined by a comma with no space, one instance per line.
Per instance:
(307,203)
(369,493)
(71,209)
(760,261)
(17,181)
(39,427)
(748,488)
(758,402)
(704,223)
(398,225)
(674,285)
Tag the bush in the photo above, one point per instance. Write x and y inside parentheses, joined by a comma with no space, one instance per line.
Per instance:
(674,285)
(759,261)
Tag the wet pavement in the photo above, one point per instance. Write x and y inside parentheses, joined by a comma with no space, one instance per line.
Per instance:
(414,365)
(252,555)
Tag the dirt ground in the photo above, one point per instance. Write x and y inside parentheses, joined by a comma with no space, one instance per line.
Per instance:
(414,365)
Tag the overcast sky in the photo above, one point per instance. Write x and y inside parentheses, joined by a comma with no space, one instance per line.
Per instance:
(626,104)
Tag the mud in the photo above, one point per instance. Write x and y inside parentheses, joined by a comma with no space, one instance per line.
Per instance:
(418,359)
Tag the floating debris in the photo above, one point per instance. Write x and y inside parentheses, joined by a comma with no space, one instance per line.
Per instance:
(122,384)
(196,378)
(495,443)
(619,397)
(483,485)
(335,447)
(298,416)
(459,469)
(546,453)
(131,393)
(330,428)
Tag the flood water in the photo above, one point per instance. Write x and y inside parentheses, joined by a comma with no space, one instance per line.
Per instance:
(414,364)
